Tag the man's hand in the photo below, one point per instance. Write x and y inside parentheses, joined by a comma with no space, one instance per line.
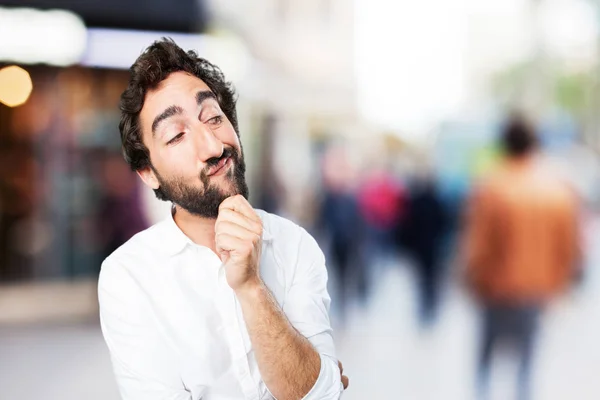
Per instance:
(238,241)
(345,380)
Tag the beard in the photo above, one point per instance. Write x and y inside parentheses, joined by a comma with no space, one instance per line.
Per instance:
(205,201)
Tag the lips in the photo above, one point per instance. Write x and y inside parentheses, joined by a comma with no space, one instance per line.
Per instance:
(224,162)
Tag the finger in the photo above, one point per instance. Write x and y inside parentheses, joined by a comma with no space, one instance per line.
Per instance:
(345,381)
(340,366)
(240,204)
(228,243)
(227,214)
(235,230)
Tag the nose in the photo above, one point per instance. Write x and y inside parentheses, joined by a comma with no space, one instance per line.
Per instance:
(208,145)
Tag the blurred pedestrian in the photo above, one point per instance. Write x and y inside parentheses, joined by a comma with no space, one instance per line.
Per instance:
(119,216)
(341,223)
(381,200)
(421,235)
(521,248)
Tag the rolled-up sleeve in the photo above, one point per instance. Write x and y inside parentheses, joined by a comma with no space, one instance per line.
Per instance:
(307,308)
(142,366)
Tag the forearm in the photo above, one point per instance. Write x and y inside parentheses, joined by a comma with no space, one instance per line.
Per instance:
(288,363)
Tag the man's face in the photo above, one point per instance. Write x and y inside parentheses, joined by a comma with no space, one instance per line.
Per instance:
(197,159)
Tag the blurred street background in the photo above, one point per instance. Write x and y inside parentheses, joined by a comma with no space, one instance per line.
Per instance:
(373,124)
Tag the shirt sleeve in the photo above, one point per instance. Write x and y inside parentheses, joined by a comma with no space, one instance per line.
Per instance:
(307,308)
(143,366)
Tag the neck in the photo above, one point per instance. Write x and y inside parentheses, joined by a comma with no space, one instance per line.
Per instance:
(200,230)
(521,159)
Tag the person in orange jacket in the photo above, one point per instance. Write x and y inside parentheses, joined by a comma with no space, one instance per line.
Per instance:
(520,247)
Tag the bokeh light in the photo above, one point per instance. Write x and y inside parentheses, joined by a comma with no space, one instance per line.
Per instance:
(15,86)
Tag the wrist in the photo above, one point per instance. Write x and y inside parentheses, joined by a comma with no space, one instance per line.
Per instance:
(250,290)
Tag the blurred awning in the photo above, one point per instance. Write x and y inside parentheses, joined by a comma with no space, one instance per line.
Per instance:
(60,38)
(227,51)
(162,15)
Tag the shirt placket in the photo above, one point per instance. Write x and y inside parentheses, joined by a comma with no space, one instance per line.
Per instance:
(228,307)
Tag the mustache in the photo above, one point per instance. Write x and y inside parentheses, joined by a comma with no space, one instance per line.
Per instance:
(228,152)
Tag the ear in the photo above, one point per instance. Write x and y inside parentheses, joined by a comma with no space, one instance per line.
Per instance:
(149,177)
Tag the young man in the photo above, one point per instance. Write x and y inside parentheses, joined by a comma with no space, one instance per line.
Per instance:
(219,301)
(521,248)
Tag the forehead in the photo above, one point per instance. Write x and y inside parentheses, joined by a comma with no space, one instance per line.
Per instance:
(178,89)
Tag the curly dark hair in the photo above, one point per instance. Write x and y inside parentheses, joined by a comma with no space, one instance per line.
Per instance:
(153,66)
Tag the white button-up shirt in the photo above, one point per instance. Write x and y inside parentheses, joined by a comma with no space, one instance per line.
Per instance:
(175,329)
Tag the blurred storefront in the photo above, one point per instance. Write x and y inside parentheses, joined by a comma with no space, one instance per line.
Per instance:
(67,199)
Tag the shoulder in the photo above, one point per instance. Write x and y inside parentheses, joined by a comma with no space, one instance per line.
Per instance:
(281,231)
(148,240)
(291,241)
(276,226)
(143,249)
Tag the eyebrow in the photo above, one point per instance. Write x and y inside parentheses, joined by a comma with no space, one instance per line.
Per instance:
(168,113)
(201,96)
(204,95)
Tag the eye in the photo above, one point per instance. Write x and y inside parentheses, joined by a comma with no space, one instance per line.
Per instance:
(176,138)
(216,121)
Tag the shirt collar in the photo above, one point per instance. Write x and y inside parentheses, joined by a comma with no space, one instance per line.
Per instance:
(173,239)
